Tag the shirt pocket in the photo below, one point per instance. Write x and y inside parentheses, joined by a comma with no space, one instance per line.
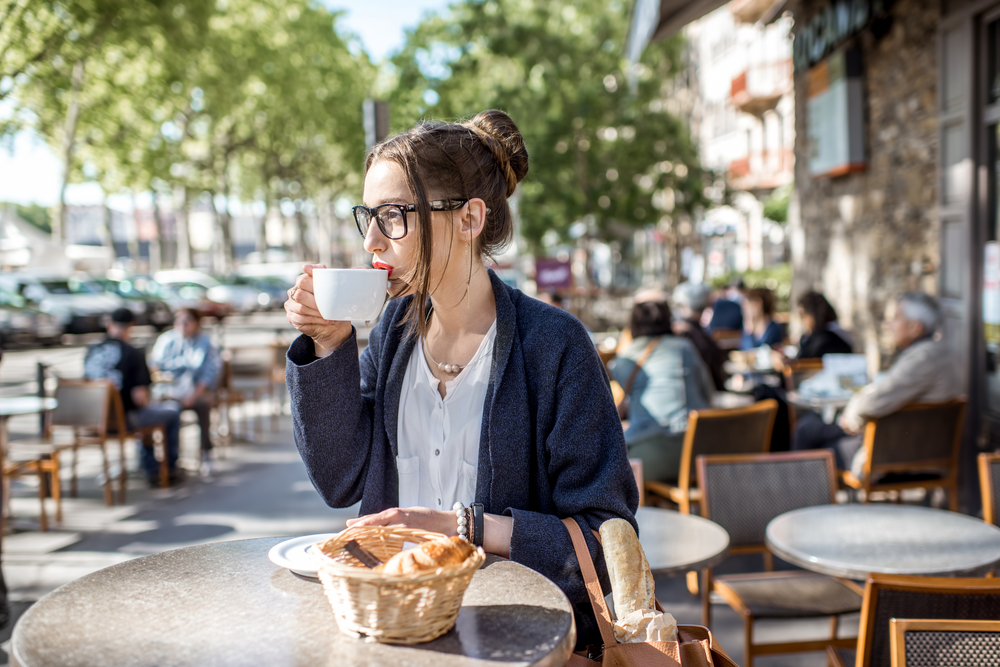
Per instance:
(408,471)
(467,483)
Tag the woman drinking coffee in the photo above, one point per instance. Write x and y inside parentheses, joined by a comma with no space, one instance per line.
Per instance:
(469,393)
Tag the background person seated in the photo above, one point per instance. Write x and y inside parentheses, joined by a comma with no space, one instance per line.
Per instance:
(690,301)
(821,334)
(116,360)
(192,361)
(727,308)
(671,382)
(924,371)
(759,327)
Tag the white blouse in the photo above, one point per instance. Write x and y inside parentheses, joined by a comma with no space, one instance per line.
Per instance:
(439,438)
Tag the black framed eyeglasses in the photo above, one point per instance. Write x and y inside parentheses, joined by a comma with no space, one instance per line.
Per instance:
(391,218)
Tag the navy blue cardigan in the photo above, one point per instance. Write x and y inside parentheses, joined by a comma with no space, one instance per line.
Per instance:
(551,443)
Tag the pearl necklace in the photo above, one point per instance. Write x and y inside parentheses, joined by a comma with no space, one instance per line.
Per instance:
(454,369)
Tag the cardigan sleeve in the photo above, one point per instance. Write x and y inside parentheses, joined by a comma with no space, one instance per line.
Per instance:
(332,401)
(590,479)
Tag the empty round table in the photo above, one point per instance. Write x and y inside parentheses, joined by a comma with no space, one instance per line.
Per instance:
(226,604)
(675,543)
(855,540)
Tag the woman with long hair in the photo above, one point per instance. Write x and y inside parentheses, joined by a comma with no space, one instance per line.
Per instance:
(468,390)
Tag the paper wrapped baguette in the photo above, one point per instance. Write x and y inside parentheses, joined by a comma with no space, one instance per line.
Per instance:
(632,587)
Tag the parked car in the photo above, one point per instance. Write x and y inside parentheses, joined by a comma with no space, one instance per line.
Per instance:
(80,305)
(23,324)
(272,292)
(141,295)
(240,298)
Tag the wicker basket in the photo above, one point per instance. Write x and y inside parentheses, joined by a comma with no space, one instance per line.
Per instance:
(391,609)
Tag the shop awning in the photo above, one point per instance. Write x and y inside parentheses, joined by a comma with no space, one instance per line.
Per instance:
(655,19)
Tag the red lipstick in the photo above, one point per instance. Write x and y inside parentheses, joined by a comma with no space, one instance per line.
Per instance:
(383,266)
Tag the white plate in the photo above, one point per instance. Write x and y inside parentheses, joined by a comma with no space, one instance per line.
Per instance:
(294,554)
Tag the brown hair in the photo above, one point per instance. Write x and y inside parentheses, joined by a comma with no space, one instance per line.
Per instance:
(651,318)
(484,157)
(766,298)
(815,305)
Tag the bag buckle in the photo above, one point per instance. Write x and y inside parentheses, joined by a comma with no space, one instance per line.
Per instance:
(595,651)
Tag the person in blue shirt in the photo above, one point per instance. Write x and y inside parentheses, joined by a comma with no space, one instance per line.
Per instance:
(727,309)
(187,356)
(759,327)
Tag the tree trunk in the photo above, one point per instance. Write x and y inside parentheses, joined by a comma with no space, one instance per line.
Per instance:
(226,222)
(301,228)
(133,236)
(323,230)
(69,144)
(262,232)
(155,247)
(183,260)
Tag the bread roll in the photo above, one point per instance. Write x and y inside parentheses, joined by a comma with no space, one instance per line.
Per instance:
(628,569)
(429,556)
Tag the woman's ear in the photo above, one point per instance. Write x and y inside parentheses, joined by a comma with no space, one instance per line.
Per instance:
(473,219)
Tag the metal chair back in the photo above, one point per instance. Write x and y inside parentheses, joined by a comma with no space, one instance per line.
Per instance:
(743,493)
(916,437)
(989,483)
(896,596)
(950,643)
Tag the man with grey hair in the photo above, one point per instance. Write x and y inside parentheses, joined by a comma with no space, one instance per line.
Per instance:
(690,301)
(924,371)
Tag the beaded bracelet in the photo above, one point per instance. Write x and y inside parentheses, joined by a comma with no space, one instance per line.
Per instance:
(464,525)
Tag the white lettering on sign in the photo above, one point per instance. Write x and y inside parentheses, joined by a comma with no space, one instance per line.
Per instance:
(831,27)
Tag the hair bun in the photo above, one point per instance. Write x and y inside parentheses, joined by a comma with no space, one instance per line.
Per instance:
(500,135)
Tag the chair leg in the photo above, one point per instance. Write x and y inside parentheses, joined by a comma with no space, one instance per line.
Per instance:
(834,625)
(706,598)
(164,461)
(692,583)
(768,561)
(275,407)
(42,517)
(953,497)
(123,470)
(73,477)
(56,485)
(748,641)
(109,498)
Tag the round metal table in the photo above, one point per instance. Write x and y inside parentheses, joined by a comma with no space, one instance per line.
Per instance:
(226,604)
(827,406)
(675,543)
(854,540)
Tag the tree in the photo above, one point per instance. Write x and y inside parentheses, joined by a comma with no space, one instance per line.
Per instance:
(598,153)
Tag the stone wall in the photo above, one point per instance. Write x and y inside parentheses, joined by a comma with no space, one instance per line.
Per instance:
(865,237)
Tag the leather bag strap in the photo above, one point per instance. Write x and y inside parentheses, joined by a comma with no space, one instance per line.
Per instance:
(592,583)
(638,365)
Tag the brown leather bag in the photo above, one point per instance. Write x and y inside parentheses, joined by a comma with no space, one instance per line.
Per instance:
(623,401)
(696,646)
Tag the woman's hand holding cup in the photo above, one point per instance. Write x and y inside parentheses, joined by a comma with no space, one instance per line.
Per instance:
(303,314)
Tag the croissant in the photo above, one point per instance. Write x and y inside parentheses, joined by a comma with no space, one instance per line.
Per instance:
(429,556)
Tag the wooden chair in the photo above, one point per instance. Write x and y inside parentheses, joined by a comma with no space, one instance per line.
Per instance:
(896,596)
(949,643)
(989,484)
(83,409)
(742,494)
(276,379)
(226,398)
(728,339)
(735,431)
(797,370)
(915,447)
(157,434)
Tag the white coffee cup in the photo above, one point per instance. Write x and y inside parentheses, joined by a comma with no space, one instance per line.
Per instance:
(350,294)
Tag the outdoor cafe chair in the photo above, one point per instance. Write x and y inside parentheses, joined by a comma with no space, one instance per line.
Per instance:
(155,434)
(745,430)
(795,371)
(989,484)
(944,643)
(728,339)
(82,409)
(915,447)
(742,494)
(889,596)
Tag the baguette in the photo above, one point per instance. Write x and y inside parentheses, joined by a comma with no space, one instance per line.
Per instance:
(628,569)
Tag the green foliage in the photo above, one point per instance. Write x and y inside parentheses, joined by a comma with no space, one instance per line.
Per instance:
(556,66)
(777,278)
(34,214)
(776,205)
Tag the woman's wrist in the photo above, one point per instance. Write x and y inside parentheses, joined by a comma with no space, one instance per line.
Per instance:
(497,531)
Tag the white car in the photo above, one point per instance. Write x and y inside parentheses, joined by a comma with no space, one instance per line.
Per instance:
(78,304)
(241,298)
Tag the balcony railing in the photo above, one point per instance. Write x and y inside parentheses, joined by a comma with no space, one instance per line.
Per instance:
(759,87)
